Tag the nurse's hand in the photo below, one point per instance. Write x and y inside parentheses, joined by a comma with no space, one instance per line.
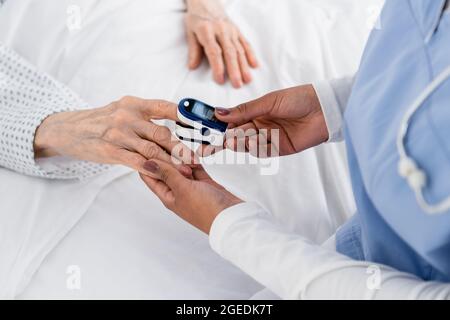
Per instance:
(198,199)
(210,33)
(120,133)
(296,113)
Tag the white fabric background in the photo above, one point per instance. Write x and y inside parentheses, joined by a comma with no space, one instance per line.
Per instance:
(137,47)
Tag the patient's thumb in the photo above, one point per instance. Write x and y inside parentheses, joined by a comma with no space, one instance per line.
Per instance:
(165,172)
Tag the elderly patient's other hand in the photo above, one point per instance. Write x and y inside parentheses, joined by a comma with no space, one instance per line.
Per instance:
(211,33)
(120,133)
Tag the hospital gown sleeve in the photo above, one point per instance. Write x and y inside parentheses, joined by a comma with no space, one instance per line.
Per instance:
(294,268)
(333,96)
(28,97)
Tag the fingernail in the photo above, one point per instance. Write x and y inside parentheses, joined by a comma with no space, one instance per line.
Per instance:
(248,78)
(187,171)
(223,111)
(237,83)
(151,166)
(220,79)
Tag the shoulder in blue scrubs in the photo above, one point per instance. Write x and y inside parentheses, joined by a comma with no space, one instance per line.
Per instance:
(401,59)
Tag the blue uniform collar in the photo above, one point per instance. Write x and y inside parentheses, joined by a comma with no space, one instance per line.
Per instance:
(428,14)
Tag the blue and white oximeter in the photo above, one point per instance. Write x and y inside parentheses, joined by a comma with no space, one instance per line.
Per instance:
(199,123)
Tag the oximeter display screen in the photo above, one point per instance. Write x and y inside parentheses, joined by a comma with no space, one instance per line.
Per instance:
(204,112)
(196,111)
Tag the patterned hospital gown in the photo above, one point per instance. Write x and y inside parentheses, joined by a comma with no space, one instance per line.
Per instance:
(27,97)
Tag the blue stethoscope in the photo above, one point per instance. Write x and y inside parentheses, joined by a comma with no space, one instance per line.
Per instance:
(407,167)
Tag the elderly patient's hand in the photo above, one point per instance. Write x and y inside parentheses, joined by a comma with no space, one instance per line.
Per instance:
(197,199)
(120,133)
(210,32)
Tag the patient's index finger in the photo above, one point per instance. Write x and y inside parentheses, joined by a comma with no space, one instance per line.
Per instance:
(164,138)
(206,151)
(160,110)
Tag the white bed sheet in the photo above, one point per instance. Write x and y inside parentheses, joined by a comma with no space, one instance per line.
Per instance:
(137,47)
(128,246)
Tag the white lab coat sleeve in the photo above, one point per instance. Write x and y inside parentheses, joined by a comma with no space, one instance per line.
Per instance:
(294,268)
(333,96)
(28,97)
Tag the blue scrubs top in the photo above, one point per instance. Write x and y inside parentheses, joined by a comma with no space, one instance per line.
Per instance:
(402,57)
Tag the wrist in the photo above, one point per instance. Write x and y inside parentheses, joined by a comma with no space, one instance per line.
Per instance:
(192,3)
(202,3)
(47,136)
(318,114)
(212,9)
(329,106)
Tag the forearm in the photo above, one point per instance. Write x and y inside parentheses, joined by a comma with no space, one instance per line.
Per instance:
(295,268)
(49,138)
(44,140)
(25,103)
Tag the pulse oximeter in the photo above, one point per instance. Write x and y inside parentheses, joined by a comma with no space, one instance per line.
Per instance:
(198,123)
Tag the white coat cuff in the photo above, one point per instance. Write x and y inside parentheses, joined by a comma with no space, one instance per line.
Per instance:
(331,110)
(227,218)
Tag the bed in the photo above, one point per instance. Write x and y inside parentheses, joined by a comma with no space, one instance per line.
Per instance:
(137,47)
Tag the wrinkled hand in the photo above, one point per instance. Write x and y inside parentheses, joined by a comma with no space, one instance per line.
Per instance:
(295,113)
(197,199)
(211,33)
(120,133)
